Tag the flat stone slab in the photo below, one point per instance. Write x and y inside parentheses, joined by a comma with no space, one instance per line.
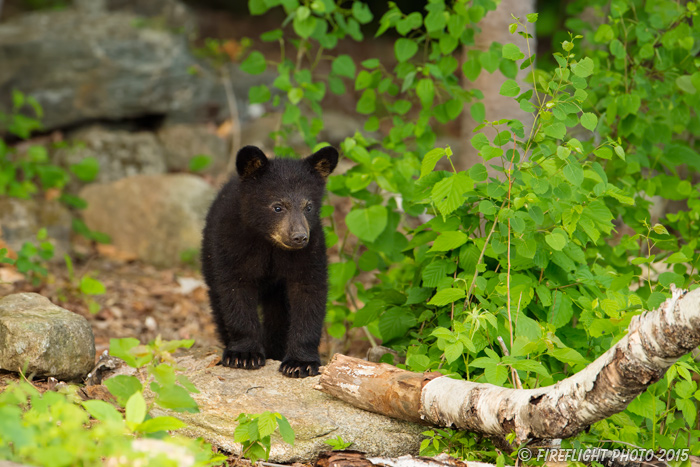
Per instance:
(39,337)
(314,416)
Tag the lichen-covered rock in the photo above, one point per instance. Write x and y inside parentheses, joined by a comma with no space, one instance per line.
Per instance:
(39,337)
(21,219)
(119,153)
(156,218)
(181,142)
(82,65)
(314,416)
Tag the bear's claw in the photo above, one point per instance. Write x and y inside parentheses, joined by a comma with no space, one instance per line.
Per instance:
(299,369)
(245,360)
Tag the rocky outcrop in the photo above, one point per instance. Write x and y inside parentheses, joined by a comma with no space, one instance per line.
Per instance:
(119,153)
(41,338)
(21,219)
(314,416)
(182,142)
(85,65)
(155,218)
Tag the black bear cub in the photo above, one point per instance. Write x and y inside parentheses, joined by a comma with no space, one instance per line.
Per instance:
(264,245)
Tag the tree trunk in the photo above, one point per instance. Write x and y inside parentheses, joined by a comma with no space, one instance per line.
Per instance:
(494,28)
(655,340)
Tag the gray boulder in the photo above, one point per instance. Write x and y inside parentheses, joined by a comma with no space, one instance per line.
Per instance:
(152,217)
(21,219)
(39,337)
(181,142)
(314,416)
(119,153)
(83,65)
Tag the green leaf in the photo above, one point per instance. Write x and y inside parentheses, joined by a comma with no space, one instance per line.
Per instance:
(512,52)
(90,286)
(257,7)
(343,65)
(259,94)
(589,121)
(304,23)
(453,351)
(446,296)
(429,160)
(510,88)
(368,102)
(86,170)
(685,84)
(617,49)
(532,17)
(120,347)
(604,34)
(174,397)
(449,240)
(123,386)
(405,49)
(367,223)
(478,111)
(583,68)
(557,240)
(556,130)
(620,152)
(448,193)
(295,95)
(574,174)
(361,12)
(496,374)
(395,322)
(471,69)
(434,272)
(199,163)
(567,355)
(102,411)
(164,423)
(286,430)
(561,311)
(254,63)
(478,172)
(425,90)
(267,423)
(135,410)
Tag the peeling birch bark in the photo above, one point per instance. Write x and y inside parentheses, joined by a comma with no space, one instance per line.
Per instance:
(358,459)
(655,340)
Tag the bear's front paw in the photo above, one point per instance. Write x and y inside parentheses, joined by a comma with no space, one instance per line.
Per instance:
(245,360)
(298,368)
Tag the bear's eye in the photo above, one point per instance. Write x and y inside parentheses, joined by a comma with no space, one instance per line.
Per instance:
(308,208)
(277,208)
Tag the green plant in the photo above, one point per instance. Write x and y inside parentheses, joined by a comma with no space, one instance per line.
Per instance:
(25,174)
(86,286)
(59,429)
(254,432)
(534,261)
(338,443)
(171,391)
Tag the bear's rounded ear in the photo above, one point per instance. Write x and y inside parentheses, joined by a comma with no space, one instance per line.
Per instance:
(250,161)
(323,161)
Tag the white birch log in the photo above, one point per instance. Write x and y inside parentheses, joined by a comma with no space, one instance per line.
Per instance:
(655,340)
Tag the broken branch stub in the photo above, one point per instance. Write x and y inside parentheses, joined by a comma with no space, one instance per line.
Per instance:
(655,340)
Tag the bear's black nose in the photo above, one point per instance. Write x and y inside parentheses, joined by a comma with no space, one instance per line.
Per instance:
(300,239)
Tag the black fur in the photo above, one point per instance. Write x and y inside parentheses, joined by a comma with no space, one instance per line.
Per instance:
(264,245)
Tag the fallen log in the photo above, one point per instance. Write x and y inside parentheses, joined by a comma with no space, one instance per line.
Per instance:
(358,459)
(655,340)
